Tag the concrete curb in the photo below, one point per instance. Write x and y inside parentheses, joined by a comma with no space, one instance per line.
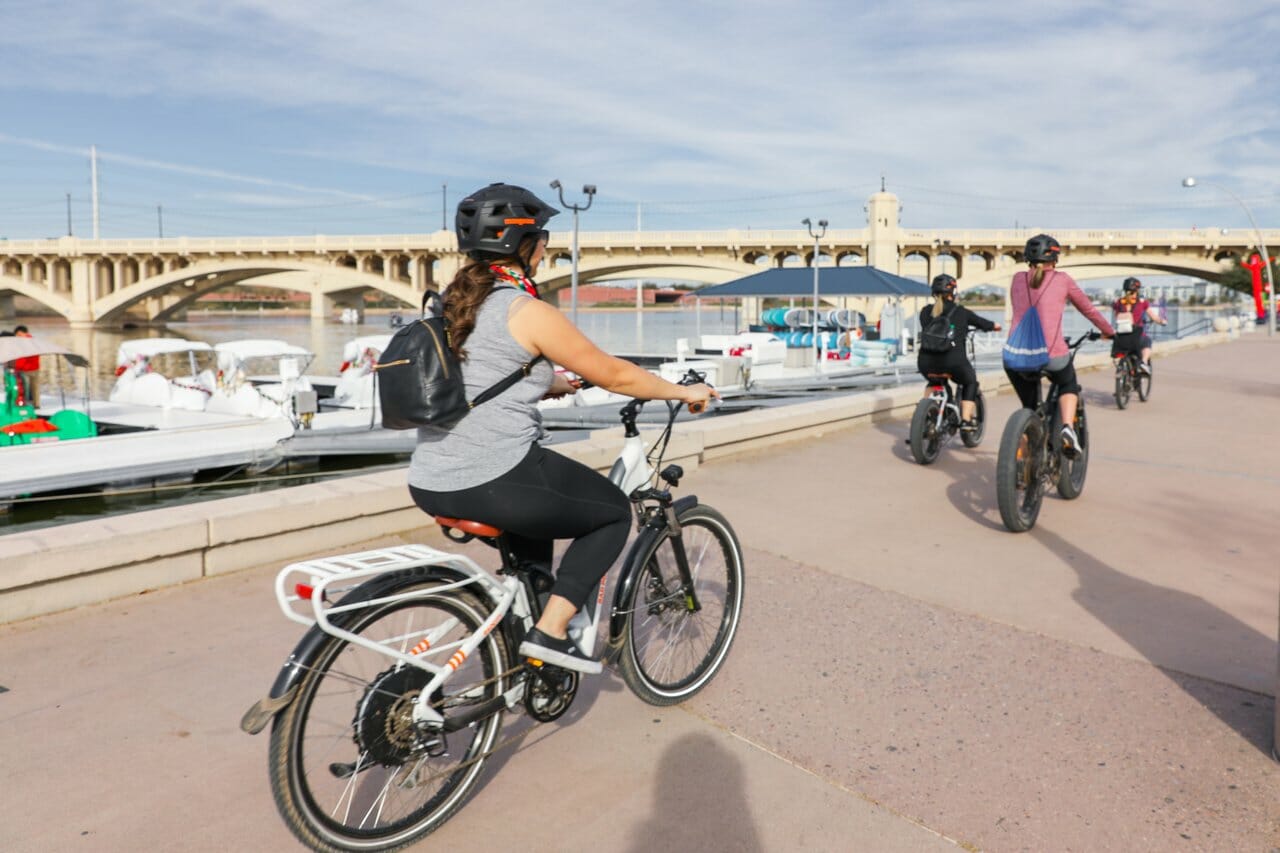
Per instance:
(59,568)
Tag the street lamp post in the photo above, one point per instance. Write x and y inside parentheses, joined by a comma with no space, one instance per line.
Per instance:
(822,225)
(590,190)
(1262,247)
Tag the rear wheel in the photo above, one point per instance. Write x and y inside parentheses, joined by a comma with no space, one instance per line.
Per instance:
(350,770)
(973,439)
(1071,472)
(1144,384)
(926,442)
(1122,384)
(671,652)
(1019,486)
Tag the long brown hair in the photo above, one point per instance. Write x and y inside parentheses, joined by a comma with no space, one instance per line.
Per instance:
(471,287)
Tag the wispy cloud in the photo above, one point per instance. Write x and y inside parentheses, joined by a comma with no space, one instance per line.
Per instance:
(1085,112)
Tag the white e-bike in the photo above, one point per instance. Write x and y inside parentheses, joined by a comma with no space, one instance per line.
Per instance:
(385,712)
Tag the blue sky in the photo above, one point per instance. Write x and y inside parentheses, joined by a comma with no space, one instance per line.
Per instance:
(290,117)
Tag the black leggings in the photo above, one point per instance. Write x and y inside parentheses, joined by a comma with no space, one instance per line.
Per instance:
(1027,385)
(547,497)
(955,362)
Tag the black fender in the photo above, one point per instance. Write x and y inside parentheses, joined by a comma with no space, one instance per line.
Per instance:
(286,683)
(631,570)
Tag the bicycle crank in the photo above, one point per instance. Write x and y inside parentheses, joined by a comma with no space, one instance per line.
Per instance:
(549,692)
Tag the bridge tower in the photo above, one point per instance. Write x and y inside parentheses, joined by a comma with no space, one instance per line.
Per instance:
(883,236)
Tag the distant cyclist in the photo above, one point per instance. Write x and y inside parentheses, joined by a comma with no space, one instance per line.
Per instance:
(489,466)
(948,354)
(1049,289)
(1131,312)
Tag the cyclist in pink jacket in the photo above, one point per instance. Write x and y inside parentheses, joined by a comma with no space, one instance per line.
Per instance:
(1049,289)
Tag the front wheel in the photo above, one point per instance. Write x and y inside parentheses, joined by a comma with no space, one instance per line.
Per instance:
(1019,484)
(926,442)
(671,651)
(1071,472)
(350,769)
(973,439)
(1144,384)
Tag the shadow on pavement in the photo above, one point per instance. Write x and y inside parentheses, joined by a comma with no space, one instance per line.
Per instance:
(972,471)
(1163,625)
(699,802)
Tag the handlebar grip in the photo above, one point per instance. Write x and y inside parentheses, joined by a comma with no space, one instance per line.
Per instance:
(697,408)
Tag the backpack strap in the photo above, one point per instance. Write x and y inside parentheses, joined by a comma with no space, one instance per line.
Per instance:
(506,382)
(437,309)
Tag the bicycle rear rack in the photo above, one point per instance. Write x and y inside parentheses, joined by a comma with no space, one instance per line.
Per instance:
(303,589)
(342,573)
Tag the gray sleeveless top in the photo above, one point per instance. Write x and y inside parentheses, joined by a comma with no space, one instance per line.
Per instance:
(493,437)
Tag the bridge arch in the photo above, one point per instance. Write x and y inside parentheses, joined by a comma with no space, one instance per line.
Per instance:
(36,292)
(181,287)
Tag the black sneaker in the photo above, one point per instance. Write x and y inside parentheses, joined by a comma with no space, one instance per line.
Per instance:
(1070,442)
(563,653)
(969,426)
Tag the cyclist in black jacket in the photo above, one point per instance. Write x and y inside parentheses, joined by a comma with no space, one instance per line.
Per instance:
(951,357)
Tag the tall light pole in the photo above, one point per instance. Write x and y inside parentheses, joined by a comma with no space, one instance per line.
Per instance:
(822,226)
(1262,247)
(590,190)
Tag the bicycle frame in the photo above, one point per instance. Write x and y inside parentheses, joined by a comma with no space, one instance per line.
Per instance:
(303,590)
(1047,408)
(942,393)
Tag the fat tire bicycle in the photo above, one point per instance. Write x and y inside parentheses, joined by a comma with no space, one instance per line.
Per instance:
(1031,458)
(1130,377)
(936,420)
(384,714)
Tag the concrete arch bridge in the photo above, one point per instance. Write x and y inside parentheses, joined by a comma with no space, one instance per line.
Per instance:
(108,282)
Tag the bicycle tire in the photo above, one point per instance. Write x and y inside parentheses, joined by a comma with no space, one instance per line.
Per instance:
(1144,384)
(926,443)
(973,439)
(1072,472)
(659,632)
(1122,385)
(1019,485)
(363,764)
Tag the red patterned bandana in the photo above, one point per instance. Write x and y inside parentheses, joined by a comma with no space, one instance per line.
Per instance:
(511,278)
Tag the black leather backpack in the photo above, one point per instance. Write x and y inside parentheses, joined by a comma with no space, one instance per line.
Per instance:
(419,378)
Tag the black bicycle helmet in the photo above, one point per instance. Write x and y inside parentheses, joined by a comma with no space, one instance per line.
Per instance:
(491,222)
(1132,285)
(1042,249)
(943,285)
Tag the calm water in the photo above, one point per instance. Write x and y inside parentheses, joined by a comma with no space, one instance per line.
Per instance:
(619,331)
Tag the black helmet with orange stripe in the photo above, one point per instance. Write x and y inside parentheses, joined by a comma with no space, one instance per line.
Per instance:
(1042,249)
(491,222)
(943,285)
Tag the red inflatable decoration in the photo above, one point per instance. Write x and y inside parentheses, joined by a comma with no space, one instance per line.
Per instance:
(1255,266)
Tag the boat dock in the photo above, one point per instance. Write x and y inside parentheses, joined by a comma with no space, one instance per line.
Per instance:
(908,676)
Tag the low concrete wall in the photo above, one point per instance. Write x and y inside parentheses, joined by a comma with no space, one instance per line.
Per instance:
(71,565)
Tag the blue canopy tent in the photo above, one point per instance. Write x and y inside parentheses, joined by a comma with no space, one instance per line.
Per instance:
(796,282)
(832,281)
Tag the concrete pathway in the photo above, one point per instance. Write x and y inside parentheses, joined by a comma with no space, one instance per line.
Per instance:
(909,675)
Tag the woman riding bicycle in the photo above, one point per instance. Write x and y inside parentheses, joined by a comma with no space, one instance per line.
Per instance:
(1133,311)
(489,466)
(950,356)
(1049,289)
